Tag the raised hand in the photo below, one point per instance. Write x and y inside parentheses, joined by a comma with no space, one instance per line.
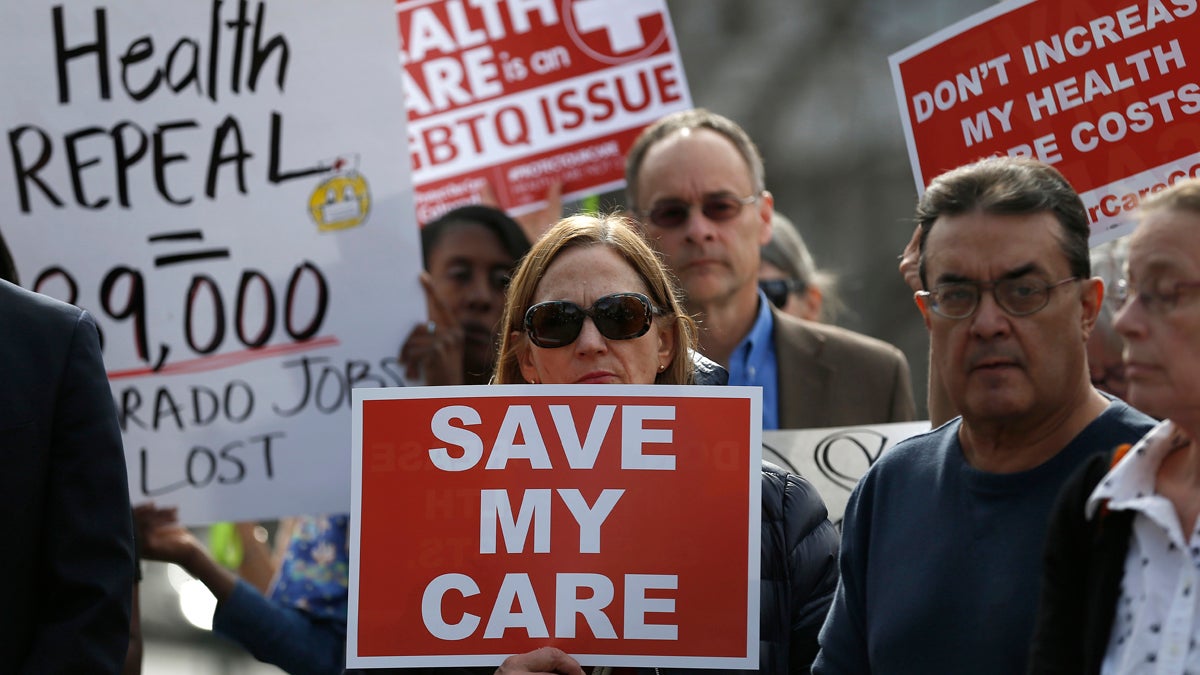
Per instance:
(434,350)
(544,660)
(161,537)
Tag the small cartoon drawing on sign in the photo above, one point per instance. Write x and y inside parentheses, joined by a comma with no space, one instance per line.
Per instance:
(343,199)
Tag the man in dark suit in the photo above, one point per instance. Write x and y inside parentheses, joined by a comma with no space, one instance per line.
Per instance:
(67,567)
(694,179)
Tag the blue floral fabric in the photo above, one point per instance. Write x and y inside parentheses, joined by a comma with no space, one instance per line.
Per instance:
(314,574)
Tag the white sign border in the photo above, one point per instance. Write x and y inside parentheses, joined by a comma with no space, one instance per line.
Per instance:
(753,559)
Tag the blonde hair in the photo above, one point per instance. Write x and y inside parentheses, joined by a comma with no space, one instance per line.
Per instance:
(621,235)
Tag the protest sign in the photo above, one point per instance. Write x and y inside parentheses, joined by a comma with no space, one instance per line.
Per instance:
(1107,91)
(517,95)
(833,459)
(224,187)
(619,523)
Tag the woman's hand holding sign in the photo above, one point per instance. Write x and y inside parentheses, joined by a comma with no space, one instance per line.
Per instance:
(544,660)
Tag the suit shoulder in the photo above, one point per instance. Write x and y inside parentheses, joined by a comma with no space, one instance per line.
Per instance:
(836,339)
(19,304)
(31,323)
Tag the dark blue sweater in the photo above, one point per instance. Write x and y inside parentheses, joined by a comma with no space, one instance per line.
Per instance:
(940,562)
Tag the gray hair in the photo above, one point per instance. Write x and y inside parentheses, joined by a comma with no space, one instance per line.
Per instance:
(1108,263)
(787,251)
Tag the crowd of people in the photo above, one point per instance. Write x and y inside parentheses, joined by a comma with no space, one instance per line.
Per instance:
(1047,523)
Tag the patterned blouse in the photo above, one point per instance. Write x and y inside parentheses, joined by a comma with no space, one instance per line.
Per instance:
(314,574)
(1158,615)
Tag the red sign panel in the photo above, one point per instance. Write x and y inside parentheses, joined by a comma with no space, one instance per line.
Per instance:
(620,527)
(1107,91)
(520,94)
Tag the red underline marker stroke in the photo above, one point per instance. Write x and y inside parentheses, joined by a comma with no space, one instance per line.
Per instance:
(219,361)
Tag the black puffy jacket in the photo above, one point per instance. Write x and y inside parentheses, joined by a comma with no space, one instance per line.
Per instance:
(799,577)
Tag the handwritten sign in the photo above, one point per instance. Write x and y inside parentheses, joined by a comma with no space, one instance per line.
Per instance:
(619,523)
(516,95)
(834,459)
(224,186)
(1107,91)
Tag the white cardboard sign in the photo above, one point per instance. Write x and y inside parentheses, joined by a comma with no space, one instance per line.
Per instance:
(834,459)
(225,187)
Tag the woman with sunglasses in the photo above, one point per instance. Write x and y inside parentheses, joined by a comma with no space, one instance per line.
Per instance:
(1122,563)
(592,303)
(790,279)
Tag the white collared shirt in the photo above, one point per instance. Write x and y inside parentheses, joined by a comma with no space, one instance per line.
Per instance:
(1155,629)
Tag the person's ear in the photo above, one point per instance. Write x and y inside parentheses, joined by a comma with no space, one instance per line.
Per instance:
(766,209)
(666,343)
(810,303)
(923,305)
(1091,296)
(525,360)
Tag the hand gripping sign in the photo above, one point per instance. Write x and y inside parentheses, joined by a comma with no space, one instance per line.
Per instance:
(1107,91)
(618,523)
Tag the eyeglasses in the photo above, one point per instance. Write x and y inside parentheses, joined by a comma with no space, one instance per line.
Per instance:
(671,213)
(777,290)
(620,316)
(1155,302)
(1019,297)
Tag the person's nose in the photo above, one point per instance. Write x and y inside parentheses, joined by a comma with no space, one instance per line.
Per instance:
(479,293)
(590,341)
(698,226)
(1130,319)
(990,320)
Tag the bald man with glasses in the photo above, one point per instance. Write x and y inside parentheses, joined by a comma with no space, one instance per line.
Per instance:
(695,182)
(942,539)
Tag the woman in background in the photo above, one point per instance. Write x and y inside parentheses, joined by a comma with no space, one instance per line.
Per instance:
(1122,567)
(1104,346)
(469,254)
(790,278)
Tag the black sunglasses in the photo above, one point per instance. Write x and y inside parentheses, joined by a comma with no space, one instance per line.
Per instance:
(777,290)
(671,213)
(620,316)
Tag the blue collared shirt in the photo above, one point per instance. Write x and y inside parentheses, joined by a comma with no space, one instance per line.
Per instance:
(753,362)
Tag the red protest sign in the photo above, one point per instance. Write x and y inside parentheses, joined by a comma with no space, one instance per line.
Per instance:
(1107,91)
(621,527)
(519,95)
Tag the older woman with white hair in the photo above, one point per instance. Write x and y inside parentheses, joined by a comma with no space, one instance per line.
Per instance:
(1122,567)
